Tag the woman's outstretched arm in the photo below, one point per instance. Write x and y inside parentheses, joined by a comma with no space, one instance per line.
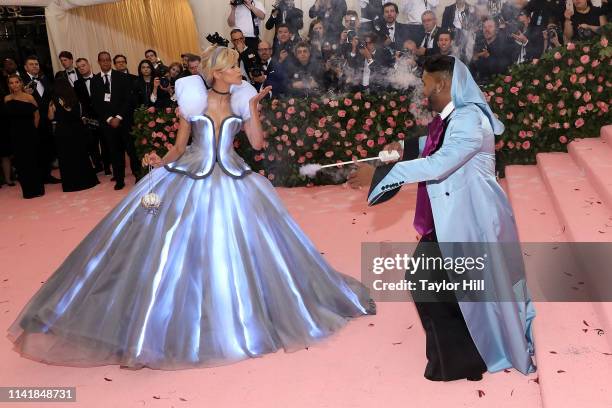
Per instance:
(252,127)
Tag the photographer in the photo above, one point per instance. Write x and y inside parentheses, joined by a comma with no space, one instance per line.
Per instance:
(370,63)
(583,21)
(321,46)
(272,73)
(528,39)
(247,55)
(247,15)
(305,73)
(334,78)
(285,12)
(283,44)
(553,35)
(330,12)
(490,56)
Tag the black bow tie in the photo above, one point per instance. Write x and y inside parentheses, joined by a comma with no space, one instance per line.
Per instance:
(87,79)
(70,72)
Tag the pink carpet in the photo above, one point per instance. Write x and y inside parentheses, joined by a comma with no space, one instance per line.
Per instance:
(375,361)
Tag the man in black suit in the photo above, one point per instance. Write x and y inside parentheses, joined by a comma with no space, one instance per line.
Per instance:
(37,85)
(193,66)
(429,43)
(120,63)
(396,33)
(528,39)
(111,100)
(492,54)
(272,72)
(285,12)
(98,151)
(247,56)
(158,65)
(370,63)
(69,72)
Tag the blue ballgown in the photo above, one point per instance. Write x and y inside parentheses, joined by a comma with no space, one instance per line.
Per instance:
(220,274)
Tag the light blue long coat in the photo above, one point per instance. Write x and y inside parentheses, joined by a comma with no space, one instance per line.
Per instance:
(468,205)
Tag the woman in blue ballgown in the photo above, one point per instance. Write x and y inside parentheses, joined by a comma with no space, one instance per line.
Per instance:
(221,272)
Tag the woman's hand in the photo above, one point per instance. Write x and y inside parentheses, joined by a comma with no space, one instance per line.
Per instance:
(262,94)
(151,159)
(156,83)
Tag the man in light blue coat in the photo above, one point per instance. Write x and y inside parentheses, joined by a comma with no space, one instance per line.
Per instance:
(459,201)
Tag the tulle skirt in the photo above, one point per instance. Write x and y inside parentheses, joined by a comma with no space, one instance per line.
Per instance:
(221,273)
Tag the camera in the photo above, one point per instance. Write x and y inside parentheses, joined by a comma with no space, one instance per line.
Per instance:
(336,62)
(350,34)
(362,44)
(217,39)
(283,4)
(236,3)
(551,31)
(584,33)
(352,22)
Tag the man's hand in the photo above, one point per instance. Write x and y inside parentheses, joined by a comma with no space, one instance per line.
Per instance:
(366,53)
(115,123)
(282,56)
(361,176)
(394,146)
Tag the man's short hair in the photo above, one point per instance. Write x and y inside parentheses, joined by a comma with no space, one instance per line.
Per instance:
(446,31)
(236,30)
(66,54)
(82,59)
(351,13)
(428,12)
(31,58)
(153,51)
(193,58)
(119,56)
(278,27)
(101,53)
(439,63)
(390,4)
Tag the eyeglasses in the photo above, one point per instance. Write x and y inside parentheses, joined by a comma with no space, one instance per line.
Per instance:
(264,49)
(237,39)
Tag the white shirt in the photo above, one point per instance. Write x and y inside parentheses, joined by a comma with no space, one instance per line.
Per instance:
(457,21)
(410,11)
(448,109)
(110,81)
(391,29)
(39,86)
(72,77)
(244,20)
(430,40)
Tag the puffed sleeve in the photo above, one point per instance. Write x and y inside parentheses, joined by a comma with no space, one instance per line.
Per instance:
(241,95)
(191,95)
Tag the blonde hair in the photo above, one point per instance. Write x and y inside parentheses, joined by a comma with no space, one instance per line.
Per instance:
(217,58)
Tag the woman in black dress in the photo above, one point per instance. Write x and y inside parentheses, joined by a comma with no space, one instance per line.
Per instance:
(22,110)
(147,89)
(6,151)
(72,138)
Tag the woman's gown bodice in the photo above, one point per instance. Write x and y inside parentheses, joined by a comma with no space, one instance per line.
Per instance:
(207,149)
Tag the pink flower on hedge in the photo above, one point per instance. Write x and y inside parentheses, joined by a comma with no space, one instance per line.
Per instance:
(519,84)
(509,116)
(577,94)
(573,78)
(168,110)
(510,144)
(303,114)
(291,110)
(499,100)
(526,145)
(291,101)
(604,42)
(357,96)
(571,46)
(393,104)
(315,146)
(586,96)
(563,139)
(285,128)
(314,106)
(151,109)
(557,55)
(367,105)
(279,115)
(536,82)
(599,89)
(547,77)
(329,153)
(299,142)
(401,136)
(529,133)
(363,154)
(322,122)
(176,126)
(370,143)
(348,152)
(284,137)
(570,61)
(341,113)
(151,124)
(590,106)
(348,102)
(308,155)
(556,70)
(579,123)
(522,134)
(562,112)
(144,141)
(409,123)
(582,80)
(302,159)
(499,89)
(507,79)
(579,69)
(382,140)
(271,177)
(402,98)
(373,114)
(172,135)
(514,90)
(549,107)
(499,144)
(310,131)
(566,125)
(294,130)
(549,86)
(585,59)
(156,144)
(582,110)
